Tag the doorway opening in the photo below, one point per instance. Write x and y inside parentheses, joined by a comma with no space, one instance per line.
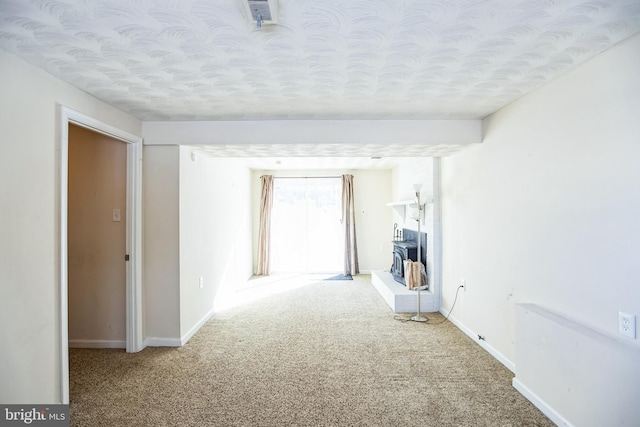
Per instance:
(96,239)
(133,212)
(306,235)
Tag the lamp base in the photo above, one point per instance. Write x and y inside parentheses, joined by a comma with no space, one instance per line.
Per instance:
(418,318)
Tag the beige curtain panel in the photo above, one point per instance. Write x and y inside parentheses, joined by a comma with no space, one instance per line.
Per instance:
(349,226)
(264,233)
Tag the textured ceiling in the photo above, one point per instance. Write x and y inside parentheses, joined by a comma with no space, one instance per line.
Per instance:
(327,59)
(317,163)
(303,152)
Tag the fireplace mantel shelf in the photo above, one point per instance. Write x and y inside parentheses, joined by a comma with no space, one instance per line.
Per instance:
(402,207)
(402,203)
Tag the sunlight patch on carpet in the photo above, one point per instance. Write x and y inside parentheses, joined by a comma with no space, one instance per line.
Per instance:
(260,287)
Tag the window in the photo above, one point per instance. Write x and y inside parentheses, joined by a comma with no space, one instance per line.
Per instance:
(306,234)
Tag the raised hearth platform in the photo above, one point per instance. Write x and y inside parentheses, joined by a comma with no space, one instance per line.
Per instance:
(399,298)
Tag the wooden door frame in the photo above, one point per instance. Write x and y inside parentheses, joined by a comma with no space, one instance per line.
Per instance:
(134,338)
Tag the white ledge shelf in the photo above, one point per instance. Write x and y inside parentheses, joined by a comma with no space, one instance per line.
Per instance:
(403,207)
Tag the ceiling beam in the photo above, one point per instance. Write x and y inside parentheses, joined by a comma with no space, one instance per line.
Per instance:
(303,132)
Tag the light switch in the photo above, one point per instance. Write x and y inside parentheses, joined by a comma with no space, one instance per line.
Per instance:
(116,215)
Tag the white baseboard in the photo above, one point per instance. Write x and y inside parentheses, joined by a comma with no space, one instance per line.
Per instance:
(551,413)
(186,337)
(178,342)
(162,342)
(474,336)
(97,344)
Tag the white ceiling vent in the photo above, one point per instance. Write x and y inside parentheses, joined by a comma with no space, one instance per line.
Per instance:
(262,11)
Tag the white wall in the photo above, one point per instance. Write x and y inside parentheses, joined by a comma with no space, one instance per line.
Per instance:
(215,233)
(372,191)
(29,225)
(424,171)
(546,210)
(584,388)
(197,224)
(412,171)
(161,237)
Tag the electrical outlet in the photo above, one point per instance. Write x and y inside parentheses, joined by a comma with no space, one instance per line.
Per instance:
(201,282)
(463,284)
(627,324)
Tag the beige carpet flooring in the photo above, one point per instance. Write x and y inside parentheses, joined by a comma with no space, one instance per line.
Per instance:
(325,354)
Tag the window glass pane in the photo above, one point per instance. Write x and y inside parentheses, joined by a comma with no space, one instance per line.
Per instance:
(305,229)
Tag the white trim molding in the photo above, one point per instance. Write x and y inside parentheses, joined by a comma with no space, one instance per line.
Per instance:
(97,344)
(492,351)
(437,231)
(134,247)
(186,337)
(540,404)
(178,342)
(162,342)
